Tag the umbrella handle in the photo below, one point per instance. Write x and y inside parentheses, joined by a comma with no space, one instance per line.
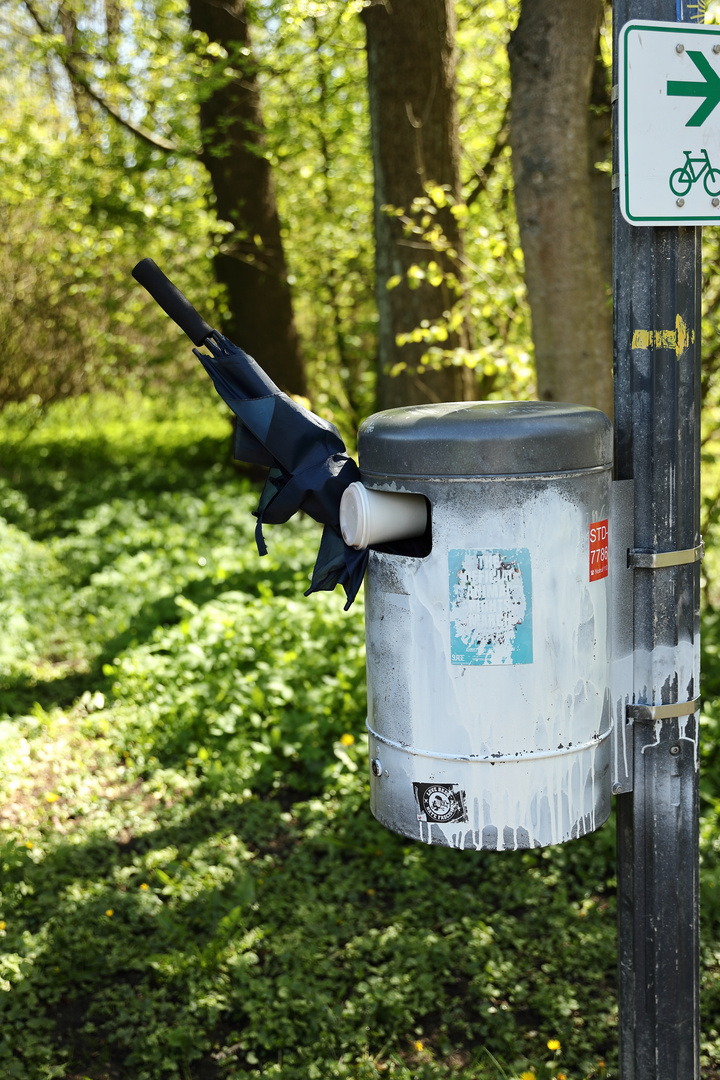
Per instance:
(172,301)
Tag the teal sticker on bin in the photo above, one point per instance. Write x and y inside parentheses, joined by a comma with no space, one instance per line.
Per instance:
(490,606)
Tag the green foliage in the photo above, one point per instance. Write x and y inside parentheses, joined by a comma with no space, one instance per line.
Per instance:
(95,178)
(313,78)
(313,81)
(191,883)
(500,356)
(83,198)
(100,167)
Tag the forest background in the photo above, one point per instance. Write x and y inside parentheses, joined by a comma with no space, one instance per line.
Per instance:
(191,883)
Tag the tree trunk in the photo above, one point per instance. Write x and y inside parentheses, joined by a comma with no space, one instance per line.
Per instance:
(413,115)
(552,59)
(251,264)
(600,135)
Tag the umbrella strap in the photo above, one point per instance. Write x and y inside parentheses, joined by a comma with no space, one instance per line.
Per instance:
(266,497)
(260,539)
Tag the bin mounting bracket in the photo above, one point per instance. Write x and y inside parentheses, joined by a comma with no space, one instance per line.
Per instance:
(656,560)
(639,712)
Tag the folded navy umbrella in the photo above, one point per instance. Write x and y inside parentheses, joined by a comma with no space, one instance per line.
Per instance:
(309,467)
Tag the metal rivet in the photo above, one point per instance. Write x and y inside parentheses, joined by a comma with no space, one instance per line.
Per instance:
(716,202)
(680,202)
(716,48)
(679,48)
(616,789)
(376,766)
(674,750)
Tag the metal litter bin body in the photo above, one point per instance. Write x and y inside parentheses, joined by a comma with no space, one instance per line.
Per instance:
(488,659)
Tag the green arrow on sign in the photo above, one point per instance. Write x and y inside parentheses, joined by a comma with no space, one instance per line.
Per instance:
(710,89)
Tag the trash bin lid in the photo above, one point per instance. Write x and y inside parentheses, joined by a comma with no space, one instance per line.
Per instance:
(487,438)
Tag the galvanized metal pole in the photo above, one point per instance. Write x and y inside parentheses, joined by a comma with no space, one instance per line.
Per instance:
(657,423)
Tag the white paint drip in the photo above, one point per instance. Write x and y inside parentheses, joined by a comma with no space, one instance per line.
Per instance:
(674,666)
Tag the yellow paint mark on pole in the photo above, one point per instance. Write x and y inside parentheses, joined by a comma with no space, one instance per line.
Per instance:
(643,339)
(685,337)
(678,339)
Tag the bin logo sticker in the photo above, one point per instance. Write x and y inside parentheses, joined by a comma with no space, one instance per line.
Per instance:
(598,549)
(490,606)
(440,803)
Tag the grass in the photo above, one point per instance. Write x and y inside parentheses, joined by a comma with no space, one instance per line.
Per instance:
(191,883)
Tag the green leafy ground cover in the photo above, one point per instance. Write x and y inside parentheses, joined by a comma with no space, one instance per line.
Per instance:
(191,883)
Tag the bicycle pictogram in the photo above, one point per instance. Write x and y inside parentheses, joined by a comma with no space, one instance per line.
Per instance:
(682,179)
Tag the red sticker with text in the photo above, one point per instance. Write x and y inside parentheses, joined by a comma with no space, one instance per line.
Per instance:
(598,549)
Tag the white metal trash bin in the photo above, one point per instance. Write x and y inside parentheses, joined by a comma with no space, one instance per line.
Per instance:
(488,658)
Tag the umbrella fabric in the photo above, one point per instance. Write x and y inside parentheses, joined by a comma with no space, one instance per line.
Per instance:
(309,465)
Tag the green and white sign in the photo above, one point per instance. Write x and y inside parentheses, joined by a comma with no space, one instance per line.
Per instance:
(669,123)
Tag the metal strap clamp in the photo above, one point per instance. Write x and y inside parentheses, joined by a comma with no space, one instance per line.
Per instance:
(654,560)
(663,712)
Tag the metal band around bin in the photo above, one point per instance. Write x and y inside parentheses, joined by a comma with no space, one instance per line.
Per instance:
(500,759)
(663,712)
(654,560)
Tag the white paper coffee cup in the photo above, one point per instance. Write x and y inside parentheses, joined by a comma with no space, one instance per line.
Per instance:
(378,517)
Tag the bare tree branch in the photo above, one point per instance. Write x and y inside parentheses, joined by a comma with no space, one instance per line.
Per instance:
(81,80)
